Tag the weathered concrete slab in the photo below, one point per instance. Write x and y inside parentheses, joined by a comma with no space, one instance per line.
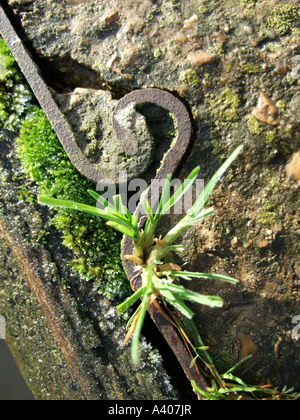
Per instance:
(235,65)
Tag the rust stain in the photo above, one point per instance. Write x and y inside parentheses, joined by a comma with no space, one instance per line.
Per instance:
(248,347)
(179,347)
(200,58)
(293,167)
(266,111)
(48,304)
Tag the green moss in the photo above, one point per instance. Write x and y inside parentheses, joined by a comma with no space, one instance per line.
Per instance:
(253,124)
(250,68)
(268,216)
(95,247)
(16,99)
(270,137)
(283,18)
(223,359)
(289,132)
(225,106)
(202,9)
(218,48)
(158,53)
(282,106)
(290,80)
(153,14)
(190,77)
(249,6)
(275,47)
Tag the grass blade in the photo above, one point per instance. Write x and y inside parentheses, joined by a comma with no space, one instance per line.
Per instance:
(197,212)
(231,377)
(187,221)
(131,300)
(187,275)
(238,364)
(123,229)
(183,308)
(191,219)
(199,344)
(178,304)
(163,198)
(140,322)
(114,219)
(105,203)
(119,210)
(132,325)
(186,294)
(148,210)
(181,191)
(71,205)
(211,301)
(133,316)
(203,198)
(180,292)
(138,329)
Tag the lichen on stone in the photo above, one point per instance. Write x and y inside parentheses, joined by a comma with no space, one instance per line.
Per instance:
(250,68)
(268,216)
(190,77)
(253,124)
(225,107)
(282,18)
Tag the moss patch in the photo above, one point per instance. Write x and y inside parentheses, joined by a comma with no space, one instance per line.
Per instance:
(190,77)
(250,68)
(16,99)
(268,216)
(253,124)
(224,107)
(282,19)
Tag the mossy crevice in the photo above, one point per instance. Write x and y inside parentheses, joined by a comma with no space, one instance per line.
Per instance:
(16,98)
(95,246)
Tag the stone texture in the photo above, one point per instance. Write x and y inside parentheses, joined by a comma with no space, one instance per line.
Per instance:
(120,46)
(89,112)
